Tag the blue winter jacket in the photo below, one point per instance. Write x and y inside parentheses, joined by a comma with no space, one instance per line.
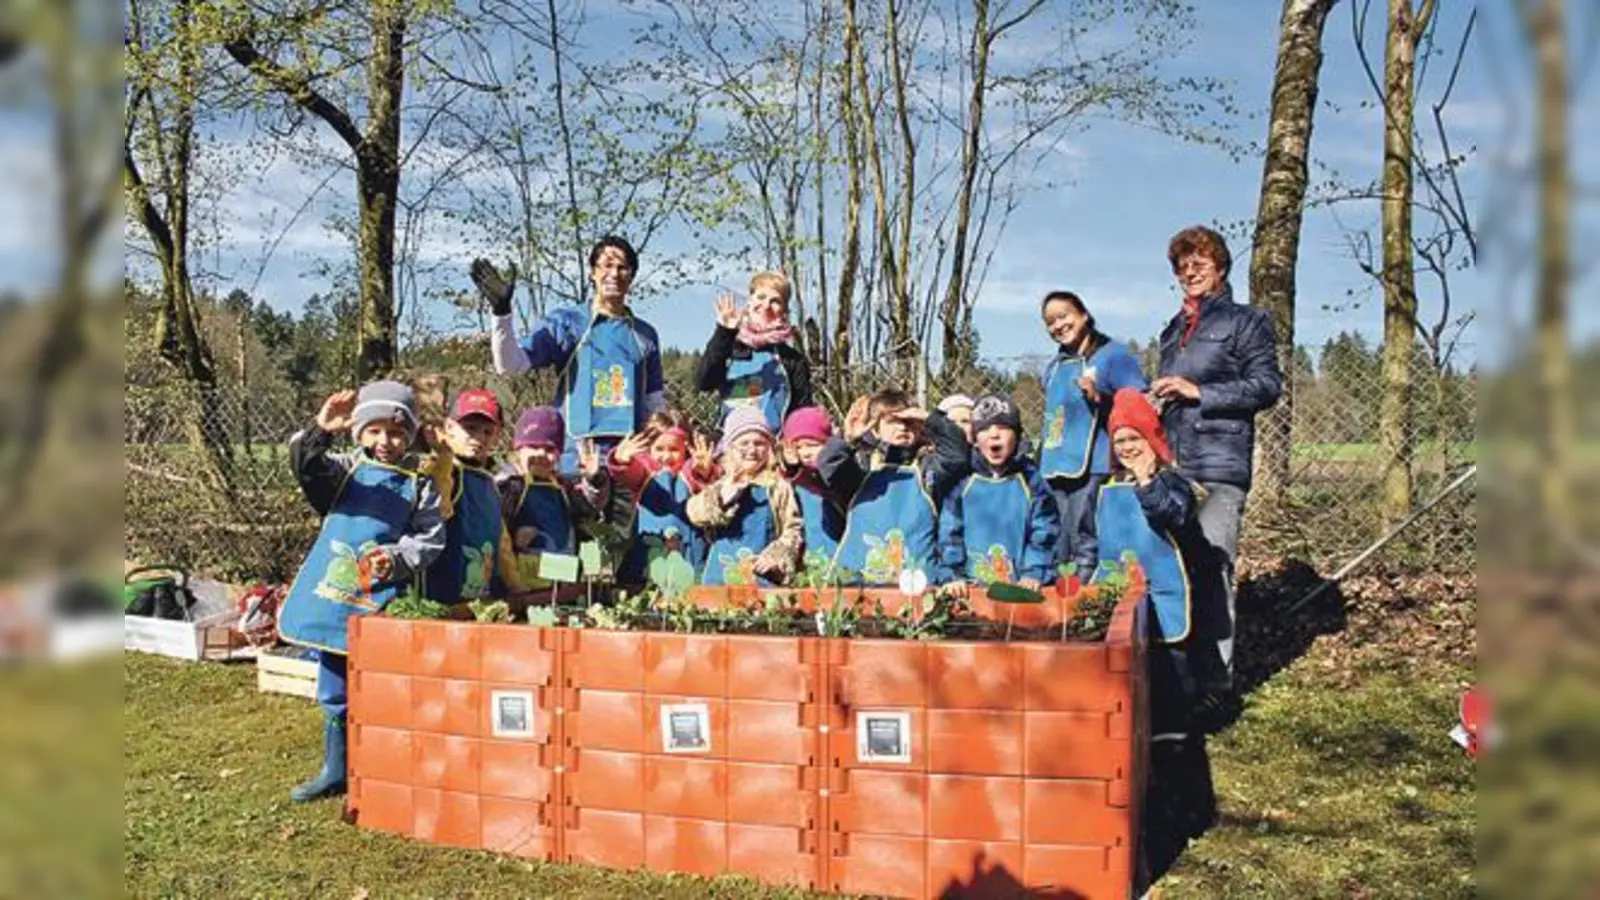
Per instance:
(1232,356)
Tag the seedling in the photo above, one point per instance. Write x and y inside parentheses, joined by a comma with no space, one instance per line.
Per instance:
(412,605)
(490,610)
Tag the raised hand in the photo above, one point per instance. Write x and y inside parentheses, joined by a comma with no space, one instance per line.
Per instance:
(728,313)
(704,455)
(588,459)
(631,446)
(494,287)
(856,421)
(338,411)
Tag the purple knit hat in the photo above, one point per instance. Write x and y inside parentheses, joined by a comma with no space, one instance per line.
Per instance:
(743,420)
(540,425)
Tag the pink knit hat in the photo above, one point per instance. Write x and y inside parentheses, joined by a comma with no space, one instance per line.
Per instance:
(806,422)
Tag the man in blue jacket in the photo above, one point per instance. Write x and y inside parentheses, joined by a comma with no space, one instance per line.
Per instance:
(1219,368)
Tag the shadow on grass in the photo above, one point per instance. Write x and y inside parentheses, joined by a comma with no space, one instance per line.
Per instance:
(1180,799)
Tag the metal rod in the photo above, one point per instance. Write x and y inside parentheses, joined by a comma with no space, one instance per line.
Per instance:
(1395,532)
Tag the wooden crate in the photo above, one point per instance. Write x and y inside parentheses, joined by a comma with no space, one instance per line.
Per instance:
(280,674)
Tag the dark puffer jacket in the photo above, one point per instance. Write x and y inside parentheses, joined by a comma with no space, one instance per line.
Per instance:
(1232,356)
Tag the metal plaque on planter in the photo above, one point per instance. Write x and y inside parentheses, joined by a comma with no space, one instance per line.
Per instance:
(512,713)
(883,737)
(685,728)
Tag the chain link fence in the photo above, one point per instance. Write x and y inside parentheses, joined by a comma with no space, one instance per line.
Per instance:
(209,485)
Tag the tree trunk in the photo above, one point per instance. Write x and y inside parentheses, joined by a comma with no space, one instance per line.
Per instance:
(1546,32)
(378,189)
(957,347)
(901,257)
(1399,279)
(1275,247)
(850,255)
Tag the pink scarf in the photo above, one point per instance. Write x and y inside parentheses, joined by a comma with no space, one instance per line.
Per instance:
(758,337)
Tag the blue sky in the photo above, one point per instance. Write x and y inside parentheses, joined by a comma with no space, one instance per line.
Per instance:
(1102,235)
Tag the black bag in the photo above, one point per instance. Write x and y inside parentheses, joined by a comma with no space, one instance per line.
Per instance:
(162,596)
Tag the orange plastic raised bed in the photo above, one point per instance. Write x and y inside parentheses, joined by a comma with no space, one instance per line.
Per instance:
(903,768)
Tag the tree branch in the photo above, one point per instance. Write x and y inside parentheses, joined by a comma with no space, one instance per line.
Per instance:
(297,88)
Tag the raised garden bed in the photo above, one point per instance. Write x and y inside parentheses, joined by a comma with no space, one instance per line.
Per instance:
(851,764)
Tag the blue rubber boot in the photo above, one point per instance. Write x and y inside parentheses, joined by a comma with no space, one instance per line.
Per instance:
(330,781)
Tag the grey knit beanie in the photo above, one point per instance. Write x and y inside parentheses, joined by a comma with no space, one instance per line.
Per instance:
(385,401)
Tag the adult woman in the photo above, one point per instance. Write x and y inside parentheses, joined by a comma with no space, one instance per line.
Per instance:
(751,359)
(1219,368)
(1075,452)
(610,362)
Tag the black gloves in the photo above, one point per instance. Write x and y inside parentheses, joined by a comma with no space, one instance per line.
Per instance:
(493,286)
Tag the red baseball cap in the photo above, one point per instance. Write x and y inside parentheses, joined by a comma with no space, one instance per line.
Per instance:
(476,402)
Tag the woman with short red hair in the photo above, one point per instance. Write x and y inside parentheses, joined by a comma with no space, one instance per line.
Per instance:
(1219,368)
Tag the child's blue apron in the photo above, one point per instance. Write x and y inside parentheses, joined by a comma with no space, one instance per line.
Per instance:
(1123,528)
(824,522)
(732,555)
(468,568)
(543,506)
(891,527)
(994,526)
(374,507)
(660,524)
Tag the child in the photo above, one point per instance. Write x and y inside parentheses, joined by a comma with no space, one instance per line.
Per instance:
(478,560)
(542,509)
(1001,523)
(751,360)
(655,467)
(958,409)
(750,513)
(1148,509)
(895,480)
(1078,385)
(381,526)
(804,433)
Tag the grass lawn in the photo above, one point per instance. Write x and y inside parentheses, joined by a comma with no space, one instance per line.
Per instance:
(1324,790)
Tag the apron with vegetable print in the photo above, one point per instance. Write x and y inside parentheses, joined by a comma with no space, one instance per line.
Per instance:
(373,508)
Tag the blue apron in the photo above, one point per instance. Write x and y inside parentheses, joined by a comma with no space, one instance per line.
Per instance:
(1069,423)
(732,556)
(1122,528)
(373,507)
(994,513)
(824,522)
(543,506)
(891,527)
(468,567)
(604,382)
(661,527)
(759,381)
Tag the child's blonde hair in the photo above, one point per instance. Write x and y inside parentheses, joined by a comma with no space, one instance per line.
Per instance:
(776,280)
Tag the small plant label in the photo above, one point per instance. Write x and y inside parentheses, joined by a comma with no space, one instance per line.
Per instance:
(512,713)
(590,557)
(558,567)
(685,728)
(883,737)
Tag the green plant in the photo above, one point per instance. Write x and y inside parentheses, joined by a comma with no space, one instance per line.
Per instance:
(776,613)
(412,605)
(840,617)
(1091,617)
(928,618)
(542,616)
(490,610)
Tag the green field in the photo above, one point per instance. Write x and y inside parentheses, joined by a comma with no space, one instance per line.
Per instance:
(1349,790)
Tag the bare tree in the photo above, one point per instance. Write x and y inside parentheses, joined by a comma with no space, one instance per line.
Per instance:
(1275,246)
(374,147)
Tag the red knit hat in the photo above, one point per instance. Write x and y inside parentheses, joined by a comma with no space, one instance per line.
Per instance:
(808,422)
(1131,409)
